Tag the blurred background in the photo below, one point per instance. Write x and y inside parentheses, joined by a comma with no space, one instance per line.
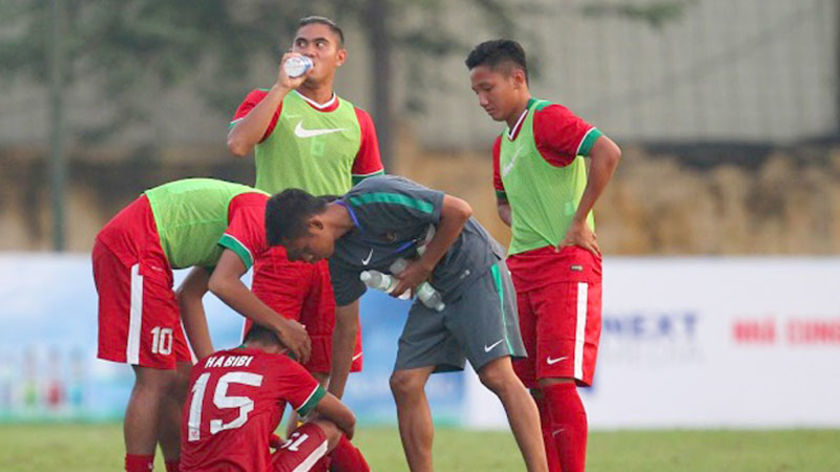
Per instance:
(721,227)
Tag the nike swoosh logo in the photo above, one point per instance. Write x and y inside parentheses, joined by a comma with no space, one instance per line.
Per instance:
(367,259)
(357,356)
(509,167)
(302,132)
(490,347)
(551,361)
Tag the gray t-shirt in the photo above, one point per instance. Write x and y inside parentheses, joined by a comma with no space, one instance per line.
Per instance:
(392,216)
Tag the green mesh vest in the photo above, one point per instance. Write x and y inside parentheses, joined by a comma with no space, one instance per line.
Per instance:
(191,215)
(309,149)
(543,198)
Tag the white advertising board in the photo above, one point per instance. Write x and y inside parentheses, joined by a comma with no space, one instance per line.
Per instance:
(708,343)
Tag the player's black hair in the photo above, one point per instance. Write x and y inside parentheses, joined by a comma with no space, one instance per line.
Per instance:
(287,212)
(261,334)
(498,52)
(322,20)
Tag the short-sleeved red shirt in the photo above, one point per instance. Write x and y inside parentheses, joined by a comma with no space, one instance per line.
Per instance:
(246,234)
(235,402)
(558,133)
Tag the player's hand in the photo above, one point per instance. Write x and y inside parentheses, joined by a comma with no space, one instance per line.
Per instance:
(275,441)
(283,80)
(579,234)
(296,339)
(413,275)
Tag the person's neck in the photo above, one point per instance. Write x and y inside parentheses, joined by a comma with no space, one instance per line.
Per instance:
(318,93)
(271,348)
(339,219)
(517,112)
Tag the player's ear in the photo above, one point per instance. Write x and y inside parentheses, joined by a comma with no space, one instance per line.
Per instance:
(518,76)
(315,224)
(341,56)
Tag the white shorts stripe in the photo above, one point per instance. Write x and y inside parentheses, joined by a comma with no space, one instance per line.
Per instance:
(580,327)
(135,314)
(310,461)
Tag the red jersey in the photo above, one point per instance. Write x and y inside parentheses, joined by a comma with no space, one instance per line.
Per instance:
(246,234)
(559,135)
(236,400)
(368,161)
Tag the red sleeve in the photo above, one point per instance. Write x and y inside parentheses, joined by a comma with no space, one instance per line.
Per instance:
(245,234)
(251,100)
(368,161)
(295,384)
(561,135)
(497,176)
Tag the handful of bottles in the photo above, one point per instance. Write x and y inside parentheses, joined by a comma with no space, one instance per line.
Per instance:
(425,292)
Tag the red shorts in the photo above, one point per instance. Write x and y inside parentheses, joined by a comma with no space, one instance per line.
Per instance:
(303,292)
(558,296)
(305,447)
(139,321)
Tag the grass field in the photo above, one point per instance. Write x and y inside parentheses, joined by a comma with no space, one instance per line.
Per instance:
(94,448)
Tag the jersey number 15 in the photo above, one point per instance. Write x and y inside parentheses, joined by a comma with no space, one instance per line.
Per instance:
(222,401)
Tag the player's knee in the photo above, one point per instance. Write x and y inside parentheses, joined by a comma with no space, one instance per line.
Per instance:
(405,383)
(496,377)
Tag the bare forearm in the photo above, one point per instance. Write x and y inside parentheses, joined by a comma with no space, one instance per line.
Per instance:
(343,347)
(605,157)
(189,296)
(503,207)
(247,132)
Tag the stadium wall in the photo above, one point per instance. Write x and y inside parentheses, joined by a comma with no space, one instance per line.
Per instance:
(687,343)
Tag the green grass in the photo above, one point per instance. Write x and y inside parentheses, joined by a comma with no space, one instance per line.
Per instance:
(93,448)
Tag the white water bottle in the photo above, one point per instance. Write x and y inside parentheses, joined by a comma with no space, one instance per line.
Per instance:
(296,66)
(425,292)
(379,281)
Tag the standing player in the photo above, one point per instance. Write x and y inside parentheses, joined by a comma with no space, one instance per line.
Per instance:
(195,222)
(386,218)
(237,398)
(544,195)
(305,136)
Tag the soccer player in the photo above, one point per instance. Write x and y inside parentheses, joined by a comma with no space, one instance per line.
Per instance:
(544,195)
(304,136)
(213,225)
(385,218)
(236,401)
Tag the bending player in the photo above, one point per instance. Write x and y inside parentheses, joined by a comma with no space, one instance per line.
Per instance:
(544,195)
(237,400)
(195,222)
(386,218)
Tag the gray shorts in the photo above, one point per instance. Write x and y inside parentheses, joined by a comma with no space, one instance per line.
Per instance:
(481,325)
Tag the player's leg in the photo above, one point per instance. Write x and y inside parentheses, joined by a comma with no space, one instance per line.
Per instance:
(414,416)
(485,322)
(525,369)
(170,418)
(569,327)
(425,346)
(307,447)
(522,414)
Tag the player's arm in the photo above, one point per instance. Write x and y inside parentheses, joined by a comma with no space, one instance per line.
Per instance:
(189,295)
(605,155)
(331,408)
(502,204)
(503,207)
(248,131)
(454,214)
(343,346)
(225,282)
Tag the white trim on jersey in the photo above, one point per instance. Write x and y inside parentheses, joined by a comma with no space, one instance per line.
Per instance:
(518,124)
(583,140)
(135,317)
(317,105)
(310,461)
(580,327)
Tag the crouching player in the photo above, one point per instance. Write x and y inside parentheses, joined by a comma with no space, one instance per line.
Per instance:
(218,228)
(236,401)
(385,218)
